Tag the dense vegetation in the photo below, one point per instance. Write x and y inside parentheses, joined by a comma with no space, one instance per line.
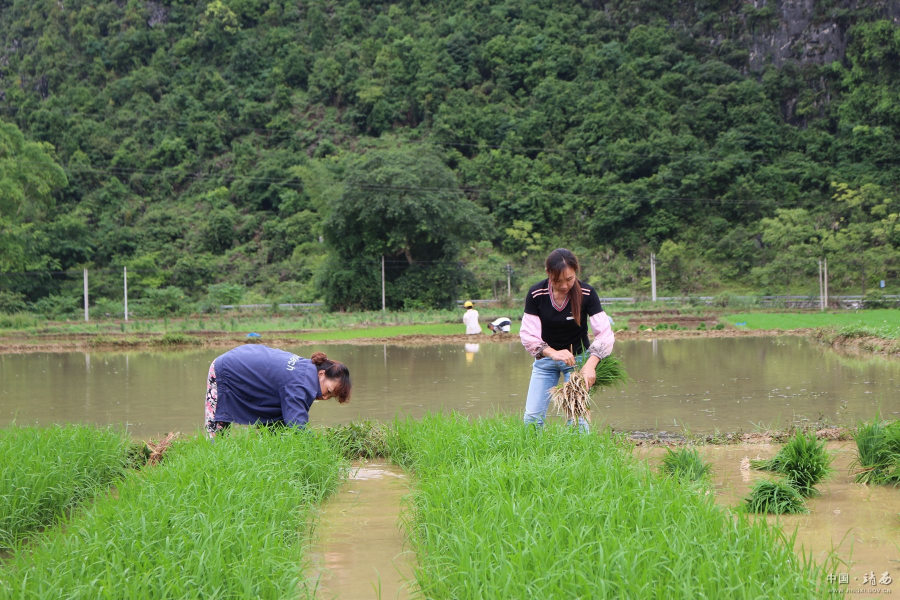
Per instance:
(272,150)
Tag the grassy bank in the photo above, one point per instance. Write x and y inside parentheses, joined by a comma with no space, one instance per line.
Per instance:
(503,511)
(46,472)
(876,330)
(883,320)
(222,520)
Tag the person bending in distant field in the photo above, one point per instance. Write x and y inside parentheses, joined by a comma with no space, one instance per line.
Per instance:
(500,325)
(257,384)
(555,331)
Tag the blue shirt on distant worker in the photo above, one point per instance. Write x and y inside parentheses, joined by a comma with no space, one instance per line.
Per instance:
(258,384)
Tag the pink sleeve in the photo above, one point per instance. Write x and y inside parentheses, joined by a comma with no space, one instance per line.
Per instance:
(604,338)
(530,334)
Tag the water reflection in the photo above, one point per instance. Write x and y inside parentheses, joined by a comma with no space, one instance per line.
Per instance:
(471,351)
(700,384)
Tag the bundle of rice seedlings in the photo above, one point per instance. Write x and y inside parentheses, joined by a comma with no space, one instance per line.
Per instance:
(776,498)
(572,399)
(359,439)
(685,464)
(877,452)
(803,461)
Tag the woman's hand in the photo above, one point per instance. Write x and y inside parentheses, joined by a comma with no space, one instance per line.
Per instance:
(563,355)
(589,372)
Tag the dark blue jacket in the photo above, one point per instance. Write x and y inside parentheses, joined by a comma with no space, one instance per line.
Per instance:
(256,383)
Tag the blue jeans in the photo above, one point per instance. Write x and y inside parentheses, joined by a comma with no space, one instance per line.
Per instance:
(544,375)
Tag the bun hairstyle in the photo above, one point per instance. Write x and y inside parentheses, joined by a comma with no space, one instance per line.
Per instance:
(336,371)
(556,263)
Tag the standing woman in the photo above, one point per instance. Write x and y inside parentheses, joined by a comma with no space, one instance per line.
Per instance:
(257,384)
(555,332)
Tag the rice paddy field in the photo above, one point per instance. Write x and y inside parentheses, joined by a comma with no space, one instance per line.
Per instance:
(228,519)
(493,510)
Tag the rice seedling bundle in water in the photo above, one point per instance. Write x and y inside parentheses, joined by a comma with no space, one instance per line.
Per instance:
(878,452)
(685,464)
(775,497)
(572,399)
(803,461)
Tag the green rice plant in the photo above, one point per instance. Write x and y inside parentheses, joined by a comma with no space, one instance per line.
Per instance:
(610,373)
(223,519)
(177,339)
(499,510)
(45,472)
(775,497)
(685,464)
(877,452)
(804,461)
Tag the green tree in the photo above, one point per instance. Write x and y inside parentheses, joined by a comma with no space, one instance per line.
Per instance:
(403,204)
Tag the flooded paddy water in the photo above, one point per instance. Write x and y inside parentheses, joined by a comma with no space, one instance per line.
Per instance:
(858,522)
(361,553)
(698,385)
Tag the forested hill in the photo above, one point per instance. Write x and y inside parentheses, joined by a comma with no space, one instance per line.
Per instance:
(277,150)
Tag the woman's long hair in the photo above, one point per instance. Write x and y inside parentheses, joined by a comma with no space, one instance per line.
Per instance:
(557,262)
(336,371)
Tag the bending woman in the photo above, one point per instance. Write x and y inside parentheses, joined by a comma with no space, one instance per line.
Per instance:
(257,384)
(555,332)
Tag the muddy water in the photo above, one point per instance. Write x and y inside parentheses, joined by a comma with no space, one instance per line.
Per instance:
(857,522)
(361,551)
(703,385)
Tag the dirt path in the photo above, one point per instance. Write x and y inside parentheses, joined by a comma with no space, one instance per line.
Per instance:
(361,550)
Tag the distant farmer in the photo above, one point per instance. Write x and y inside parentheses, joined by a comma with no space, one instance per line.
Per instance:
(500,325)
(555,331)
(471,319)
(257,384)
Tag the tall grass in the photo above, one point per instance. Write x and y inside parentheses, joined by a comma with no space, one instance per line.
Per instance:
(215,520)
(19,320)
(503,511)
(44,472)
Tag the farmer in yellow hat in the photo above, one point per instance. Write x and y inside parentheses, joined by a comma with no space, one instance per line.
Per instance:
(471,319)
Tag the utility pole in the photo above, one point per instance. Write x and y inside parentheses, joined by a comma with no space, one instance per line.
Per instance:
(653,275)
(383,304)
(821,288)
(825,262)
(125,272)
(85,295)
(508,281)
